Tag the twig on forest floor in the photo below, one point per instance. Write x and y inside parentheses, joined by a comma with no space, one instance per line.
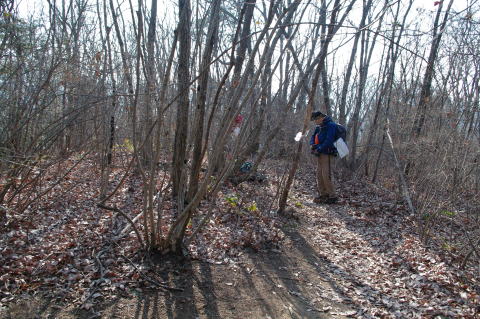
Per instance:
(114,209)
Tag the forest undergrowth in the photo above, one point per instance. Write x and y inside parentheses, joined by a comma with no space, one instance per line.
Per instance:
(65,248)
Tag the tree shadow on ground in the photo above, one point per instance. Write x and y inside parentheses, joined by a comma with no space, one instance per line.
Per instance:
(365,221)
(340,281)
(295,283)
(174,272)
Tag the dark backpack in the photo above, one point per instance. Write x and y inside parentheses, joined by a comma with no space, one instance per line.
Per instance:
(340,132)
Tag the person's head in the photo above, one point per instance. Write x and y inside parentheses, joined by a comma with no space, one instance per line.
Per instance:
(317,117)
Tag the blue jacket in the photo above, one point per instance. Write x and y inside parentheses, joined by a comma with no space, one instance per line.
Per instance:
(326,136)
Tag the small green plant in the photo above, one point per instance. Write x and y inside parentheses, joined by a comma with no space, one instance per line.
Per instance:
(298,204)
(448,213)
(448,247)
(252,207)
(128,145)
(232,200)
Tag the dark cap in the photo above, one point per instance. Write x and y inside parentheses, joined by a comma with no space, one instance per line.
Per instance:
(316,115)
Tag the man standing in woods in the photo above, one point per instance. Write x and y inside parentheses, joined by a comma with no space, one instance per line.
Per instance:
(321,144)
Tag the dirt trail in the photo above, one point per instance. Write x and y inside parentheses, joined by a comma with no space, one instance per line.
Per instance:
(294,282)
(358,259)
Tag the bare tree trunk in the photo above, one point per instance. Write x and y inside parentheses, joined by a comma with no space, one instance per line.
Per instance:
(202,87)
(110,110)
(474,110)
(386,89)
(148,156)
(343,99)
(354,124)
(157,146)
(181,132)
(425,93)
(325,89)
(147,150)
(125,62)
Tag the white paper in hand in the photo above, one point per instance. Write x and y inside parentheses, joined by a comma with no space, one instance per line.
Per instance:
(298,137)
(341,147)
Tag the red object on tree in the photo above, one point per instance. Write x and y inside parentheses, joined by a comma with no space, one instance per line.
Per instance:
(436,3)
(238,119)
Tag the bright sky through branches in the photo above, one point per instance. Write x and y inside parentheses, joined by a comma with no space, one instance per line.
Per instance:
(29,7)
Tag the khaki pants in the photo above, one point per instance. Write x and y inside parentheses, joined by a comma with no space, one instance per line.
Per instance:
(324,176)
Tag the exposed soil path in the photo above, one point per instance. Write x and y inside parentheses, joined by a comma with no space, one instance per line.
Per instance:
(360,258)
(292,282)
